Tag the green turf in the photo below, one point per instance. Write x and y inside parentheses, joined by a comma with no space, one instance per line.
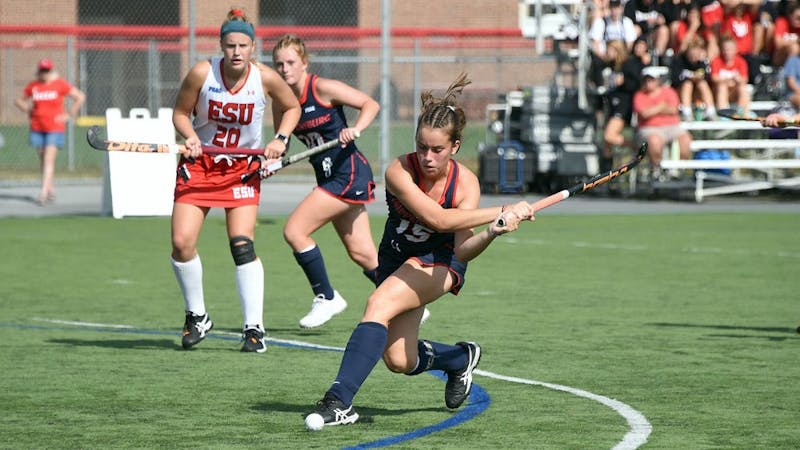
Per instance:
(688,319)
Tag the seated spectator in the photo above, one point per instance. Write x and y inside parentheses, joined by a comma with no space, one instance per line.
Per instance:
(620,101)
(740,25)
(689,30)
(675,13)
(610,28)
(791,77)
(656,108)
(764,27)
(711,14)
(690,76)
(787,31)
(729,75)
(650,24)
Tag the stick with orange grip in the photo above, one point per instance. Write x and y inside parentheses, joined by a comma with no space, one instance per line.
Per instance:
(595,181)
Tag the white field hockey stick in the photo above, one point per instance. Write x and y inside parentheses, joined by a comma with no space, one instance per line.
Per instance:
(93,135)
(595,181)
(289,160)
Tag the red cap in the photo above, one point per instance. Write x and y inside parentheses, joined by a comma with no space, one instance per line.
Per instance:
(45,64)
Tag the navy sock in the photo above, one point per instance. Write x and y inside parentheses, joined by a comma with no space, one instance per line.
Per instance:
(372,275)
(363,351)
(314,267)
(438,356)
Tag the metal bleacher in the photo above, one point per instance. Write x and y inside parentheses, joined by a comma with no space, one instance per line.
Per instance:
(754,162)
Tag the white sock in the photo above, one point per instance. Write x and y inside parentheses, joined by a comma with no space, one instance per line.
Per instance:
(190,280)
(250,282)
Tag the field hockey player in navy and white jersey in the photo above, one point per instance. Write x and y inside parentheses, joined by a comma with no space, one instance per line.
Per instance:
(221,103)
(427,242)
(344,178)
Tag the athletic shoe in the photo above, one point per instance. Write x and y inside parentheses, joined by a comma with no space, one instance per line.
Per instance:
(334,412)
(459,382)
(195,329)
(254,341)
(323,310)
(425,315)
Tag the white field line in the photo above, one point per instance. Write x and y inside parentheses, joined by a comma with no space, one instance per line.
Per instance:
(287,342)
(637,436)
(640,428)
(645,248)
(82,324)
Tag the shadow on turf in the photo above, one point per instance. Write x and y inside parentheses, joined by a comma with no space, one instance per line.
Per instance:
(366,414)
(148,344)
(734,328)
(24,198)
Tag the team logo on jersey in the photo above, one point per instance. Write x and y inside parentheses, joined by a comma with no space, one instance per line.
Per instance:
(244,192)
(216,89)
(309,109)
(327,164)
(39,96)
(241,113)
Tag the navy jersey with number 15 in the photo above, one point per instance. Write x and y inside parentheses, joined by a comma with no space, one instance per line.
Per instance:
(404,235)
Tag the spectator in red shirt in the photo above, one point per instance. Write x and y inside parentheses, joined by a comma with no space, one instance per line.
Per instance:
(787,31)
(742,25)
(656,108)
(43,101)
(729,76)
(689,30)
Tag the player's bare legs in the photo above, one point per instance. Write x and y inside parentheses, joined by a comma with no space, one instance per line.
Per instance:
(316,210)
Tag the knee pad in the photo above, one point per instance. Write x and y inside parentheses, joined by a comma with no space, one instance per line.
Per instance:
(242,250)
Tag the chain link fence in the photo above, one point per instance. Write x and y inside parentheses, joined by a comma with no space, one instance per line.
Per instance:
(134,55)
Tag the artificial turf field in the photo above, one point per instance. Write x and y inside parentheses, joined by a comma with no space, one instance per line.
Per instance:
(676,331)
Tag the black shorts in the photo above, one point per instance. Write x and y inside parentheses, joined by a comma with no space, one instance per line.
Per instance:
(620,105)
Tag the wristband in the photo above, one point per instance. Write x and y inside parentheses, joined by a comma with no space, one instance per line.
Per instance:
(282,137)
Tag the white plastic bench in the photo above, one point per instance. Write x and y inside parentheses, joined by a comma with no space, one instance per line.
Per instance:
(768,160)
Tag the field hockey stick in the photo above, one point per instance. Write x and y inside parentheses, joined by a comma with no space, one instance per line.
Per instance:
(732,114)
(593,182)
(289,160)
(96,141)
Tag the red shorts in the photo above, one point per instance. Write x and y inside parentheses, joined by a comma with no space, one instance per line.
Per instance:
(217,184)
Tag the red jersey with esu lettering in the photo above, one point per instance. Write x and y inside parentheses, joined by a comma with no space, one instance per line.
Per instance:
(224,118)
(48,103)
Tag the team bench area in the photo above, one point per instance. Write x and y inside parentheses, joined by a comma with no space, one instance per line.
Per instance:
(743,164)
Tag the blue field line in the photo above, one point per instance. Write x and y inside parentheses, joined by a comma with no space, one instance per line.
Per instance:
(479,400)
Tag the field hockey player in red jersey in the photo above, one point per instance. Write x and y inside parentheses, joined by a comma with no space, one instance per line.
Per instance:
(427,241)
(221,103)
(344,177)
